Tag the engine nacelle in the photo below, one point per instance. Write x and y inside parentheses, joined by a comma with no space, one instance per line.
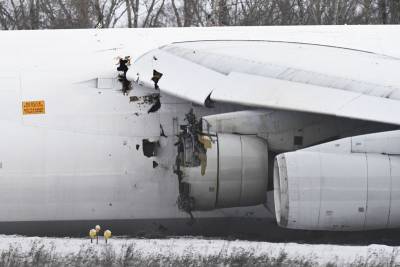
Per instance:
(317,190)
(231,173)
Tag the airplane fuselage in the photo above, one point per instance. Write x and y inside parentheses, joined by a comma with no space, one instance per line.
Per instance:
(80,157)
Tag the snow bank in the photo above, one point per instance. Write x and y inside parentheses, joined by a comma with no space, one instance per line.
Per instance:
(17,250)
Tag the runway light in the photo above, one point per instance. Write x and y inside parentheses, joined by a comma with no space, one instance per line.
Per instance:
(92,234)
(107,235)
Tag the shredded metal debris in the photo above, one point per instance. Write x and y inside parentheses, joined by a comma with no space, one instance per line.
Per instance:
(209,103)
(152,99)
(192,148)
(123,67)
(123,64)
(133,99)
(156,78)
(156,106)
(126,85)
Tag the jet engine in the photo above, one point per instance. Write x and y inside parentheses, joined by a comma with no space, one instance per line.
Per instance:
(223,170)
(349,184)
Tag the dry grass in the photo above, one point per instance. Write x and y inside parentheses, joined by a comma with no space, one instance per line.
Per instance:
(129,255)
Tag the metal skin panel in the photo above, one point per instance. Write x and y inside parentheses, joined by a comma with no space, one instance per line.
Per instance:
(236,173)
(304,189)
(329,67)
(281,128)
(343,191)
(337,191)
(274,93)
(230,170)
(254,171)
(204,188)
(379,188)
(324,192)
(385,143)
(394,218)
(286,95)
(376,143)
(9,94)
(338,146)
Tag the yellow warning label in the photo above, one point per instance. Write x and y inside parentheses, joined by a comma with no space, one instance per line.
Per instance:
(33,107)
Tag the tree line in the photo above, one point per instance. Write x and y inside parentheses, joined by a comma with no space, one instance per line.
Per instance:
(54,14)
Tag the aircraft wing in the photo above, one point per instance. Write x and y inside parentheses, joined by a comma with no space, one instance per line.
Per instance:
(281,94)
(180,77)
(300,77)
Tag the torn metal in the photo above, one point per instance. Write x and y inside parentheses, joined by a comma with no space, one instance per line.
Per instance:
(151,99)
(133,99)
(192,148)
(156,106)
(156,78)
(123,64)
(123,67)
(126,85)
(162,132)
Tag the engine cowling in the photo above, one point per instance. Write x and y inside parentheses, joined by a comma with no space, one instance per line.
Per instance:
(317,190)
(231,173)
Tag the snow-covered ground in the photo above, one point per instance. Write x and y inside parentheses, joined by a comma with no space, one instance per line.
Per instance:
(17,250)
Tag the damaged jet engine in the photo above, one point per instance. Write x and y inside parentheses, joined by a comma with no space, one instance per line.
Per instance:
(220,171)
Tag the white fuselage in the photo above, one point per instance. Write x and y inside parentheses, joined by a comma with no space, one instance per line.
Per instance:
(80,159)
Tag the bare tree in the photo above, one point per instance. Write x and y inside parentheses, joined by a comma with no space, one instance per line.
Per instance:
(394,10)
(176,13)
(48,14)
(383,11)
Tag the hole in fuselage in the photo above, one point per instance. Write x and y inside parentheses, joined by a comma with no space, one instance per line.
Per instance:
(150,148)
